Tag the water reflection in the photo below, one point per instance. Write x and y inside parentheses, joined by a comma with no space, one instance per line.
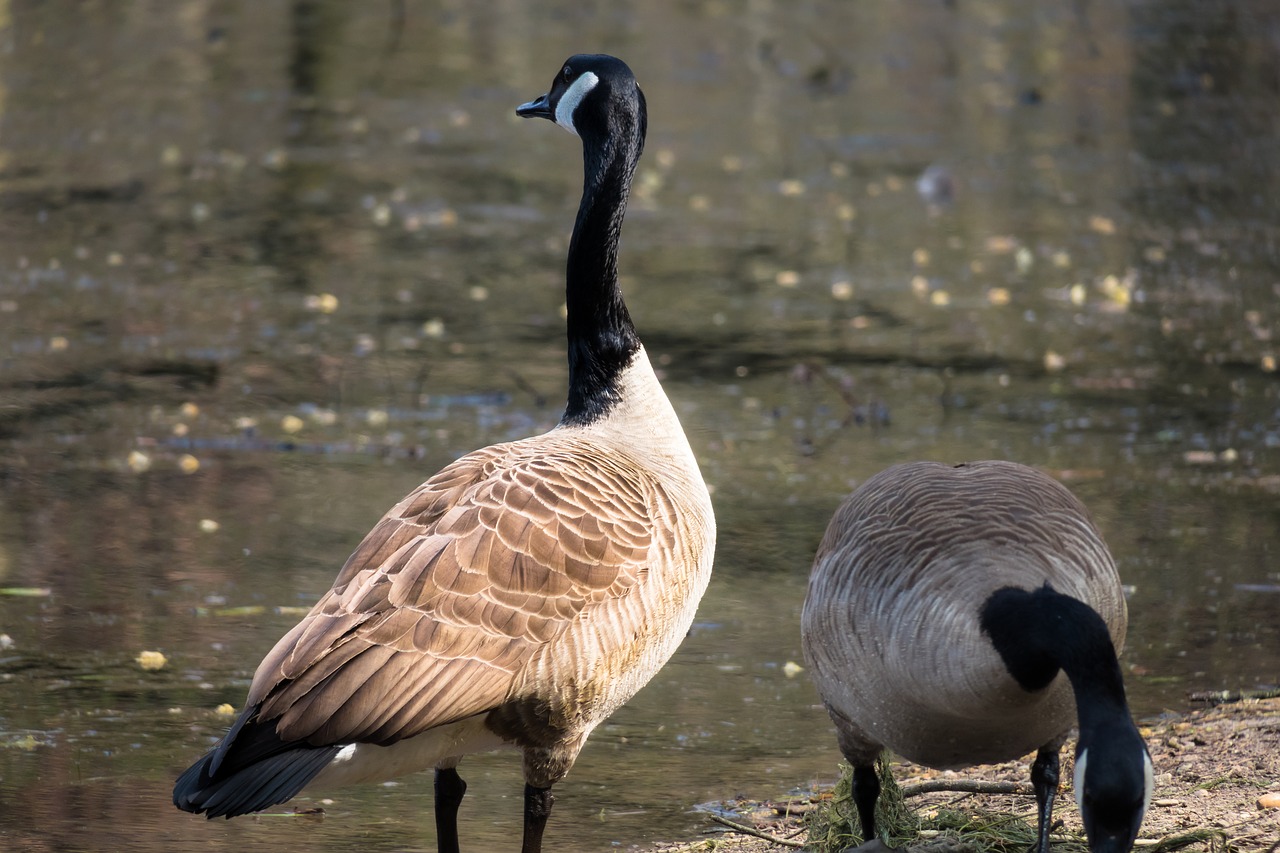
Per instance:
(321,262)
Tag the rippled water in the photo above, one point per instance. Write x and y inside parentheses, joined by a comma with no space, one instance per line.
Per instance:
(263,268)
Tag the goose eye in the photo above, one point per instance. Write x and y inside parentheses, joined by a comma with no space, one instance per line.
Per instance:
(568,74)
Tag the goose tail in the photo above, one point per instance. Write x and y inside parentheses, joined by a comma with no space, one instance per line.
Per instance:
(250,770)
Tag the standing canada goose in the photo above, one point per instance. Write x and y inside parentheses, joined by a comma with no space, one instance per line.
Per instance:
(943,602)
(525,592)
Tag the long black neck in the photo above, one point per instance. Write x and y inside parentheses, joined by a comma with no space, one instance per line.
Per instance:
(1040,632)
(602,338)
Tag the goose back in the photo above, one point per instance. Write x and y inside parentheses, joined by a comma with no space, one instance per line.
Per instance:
(891,622)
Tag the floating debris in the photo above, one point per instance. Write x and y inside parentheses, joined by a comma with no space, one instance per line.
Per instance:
(188,464)
(1023,260)
(325,303)
(1256,587)
(791,669)
(138,461)
(226,709)
(291,424)
(1102,225)
(26,591)
(208,525)
(152,661)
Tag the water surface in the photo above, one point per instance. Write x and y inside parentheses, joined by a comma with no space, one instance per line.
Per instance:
(265,267)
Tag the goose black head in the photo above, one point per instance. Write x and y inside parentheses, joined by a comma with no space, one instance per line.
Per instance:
(591,96)
(1113,781)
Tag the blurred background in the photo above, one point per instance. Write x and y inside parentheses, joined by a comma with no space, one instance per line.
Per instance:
(265,266)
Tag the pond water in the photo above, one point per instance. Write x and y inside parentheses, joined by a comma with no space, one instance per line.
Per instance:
(264,267)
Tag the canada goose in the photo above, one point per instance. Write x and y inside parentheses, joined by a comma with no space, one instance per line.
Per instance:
(522,594)
(942,603)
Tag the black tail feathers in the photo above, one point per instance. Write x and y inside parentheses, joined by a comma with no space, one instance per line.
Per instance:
(251,770)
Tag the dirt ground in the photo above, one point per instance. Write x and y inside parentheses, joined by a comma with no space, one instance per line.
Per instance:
(1217,768)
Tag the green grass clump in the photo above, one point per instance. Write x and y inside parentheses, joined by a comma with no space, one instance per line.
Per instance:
(836,826)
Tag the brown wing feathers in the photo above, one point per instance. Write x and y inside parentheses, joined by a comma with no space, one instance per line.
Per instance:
(442,602)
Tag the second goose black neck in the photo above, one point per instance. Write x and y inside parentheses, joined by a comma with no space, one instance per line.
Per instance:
(1037,632)
(602,338)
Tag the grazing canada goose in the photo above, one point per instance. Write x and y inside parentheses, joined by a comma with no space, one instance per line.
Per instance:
(943,602)
(525,592)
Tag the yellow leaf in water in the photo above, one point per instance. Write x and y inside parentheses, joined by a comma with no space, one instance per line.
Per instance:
(138,461)
(151,661)
(1102,225)
(791,669)
(225,710)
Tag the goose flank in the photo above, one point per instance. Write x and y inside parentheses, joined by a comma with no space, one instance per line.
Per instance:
(523,593)
(971,614)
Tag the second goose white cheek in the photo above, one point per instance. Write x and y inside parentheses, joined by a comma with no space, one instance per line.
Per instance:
(571,98)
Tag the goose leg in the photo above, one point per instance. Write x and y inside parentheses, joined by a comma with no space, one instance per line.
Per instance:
(866,790)
(1044,779)
(537,808)
(449,791)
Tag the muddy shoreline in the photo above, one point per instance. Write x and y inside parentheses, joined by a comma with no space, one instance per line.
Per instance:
(1217,771)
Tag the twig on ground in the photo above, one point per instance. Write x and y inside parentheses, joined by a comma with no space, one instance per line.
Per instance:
(1223,697)
(966,786)
(749,830)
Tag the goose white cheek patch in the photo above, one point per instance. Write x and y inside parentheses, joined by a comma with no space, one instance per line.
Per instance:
(1078,781)
(572,97)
